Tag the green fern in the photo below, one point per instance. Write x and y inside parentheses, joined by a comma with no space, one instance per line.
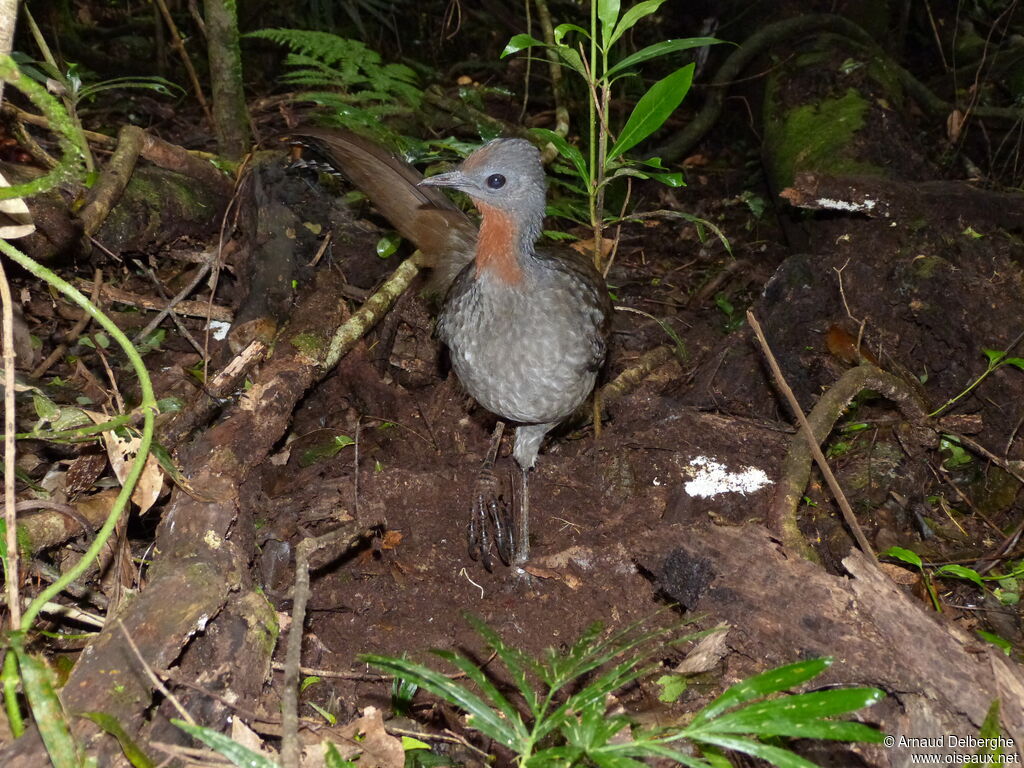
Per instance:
(558,716)
(356,88)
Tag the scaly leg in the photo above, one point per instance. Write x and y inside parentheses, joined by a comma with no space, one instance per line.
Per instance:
(488,511)
(522,538)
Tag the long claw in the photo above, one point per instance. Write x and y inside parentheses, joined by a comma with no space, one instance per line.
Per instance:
(488,512)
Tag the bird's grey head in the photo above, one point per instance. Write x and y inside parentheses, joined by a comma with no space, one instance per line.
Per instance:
(505,174)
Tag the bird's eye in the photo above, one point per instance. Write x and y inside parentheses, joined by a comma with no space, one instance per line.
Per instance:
(495,181)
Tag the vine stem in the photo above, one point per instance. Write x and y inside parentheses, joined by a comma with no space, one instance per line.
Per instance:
(147,406)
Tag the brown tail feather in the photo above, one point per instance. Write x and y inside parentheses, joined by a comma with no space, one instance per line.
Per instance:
(422,215)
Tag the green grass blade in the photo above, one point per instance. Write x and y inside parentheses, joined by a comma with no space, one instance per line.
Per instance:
(47,711)
(494,696)
(226,747)
(132,751)
(484,719)
(516,662)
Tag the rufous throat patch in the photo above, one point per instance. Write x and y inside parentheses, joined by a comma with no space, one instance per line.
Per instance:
(496,246)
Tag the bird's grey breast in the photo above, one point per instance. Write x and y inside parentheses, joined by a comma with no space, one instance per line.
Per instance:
(527,351)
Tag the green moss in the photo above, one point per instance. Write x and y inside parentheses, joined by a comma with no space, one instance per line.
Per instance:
(157,205)
(816,137)
(262,619)
(878,69)
(310,344)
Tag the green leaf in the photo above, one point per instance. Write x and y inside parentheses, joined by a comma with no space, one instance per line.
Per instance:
(673,180)
(608,13)
(960,572)
(571,58)
(516,662)
(994,356)
(388,244)
(308,681)
(672,687)
(772,681)
(1016,362)
(333,758)
(151,83)
(631,17)
(519,43)
(47,711)
(653,109)
(799,716)
(494,697)
(911,558)
(659,750)
(226,747)
(46,409)
(660,49)
(329,717)
(566,150)
(482,717)
(326,449)
(409,744)
(563,29)
(131,750)
(990,637)
(782,758)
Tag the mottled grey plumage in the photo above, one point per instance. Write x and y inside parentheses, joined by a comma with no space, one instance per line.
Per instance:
(525,327)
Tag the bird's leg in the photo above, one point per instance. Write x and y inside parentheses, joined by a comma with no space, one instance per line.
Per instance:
(488,511)
(522,537)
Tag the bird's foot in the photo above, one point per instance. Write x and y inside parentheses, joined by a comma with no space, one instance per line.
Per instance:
(489,515)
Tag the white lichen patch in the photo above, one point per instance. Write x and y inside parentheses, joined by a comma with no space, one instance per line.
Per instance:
(845,205)
(711,478)
(219,329)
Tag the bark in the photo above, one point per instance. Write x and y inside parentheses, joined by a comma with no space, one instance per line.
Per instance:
(229,112)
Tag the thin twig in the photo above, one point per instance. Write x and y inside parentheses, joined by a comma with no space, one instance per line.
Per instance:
(169,309)
(75,332)
(290,747)
(157,683)
(10,516)
(179,46)
(819,457)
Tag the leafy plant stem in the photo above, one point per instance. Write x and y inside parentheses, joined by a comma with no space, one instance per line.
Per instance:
(953,400)
(593,209)
(72,143)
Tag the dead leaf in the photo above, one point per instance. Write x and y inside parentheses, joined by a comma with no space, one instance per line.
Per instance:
(248,738)
(954,125)
(706,655)
(586,247)
(122,452)
(898,574)
(376,747)
(15,217)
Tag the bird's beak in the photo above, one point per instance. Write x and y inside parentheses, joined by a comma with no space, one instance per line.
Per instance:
(456,179)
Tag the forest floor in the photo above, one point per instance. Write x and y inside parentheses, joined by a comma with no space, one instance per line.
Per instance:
(927,292)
